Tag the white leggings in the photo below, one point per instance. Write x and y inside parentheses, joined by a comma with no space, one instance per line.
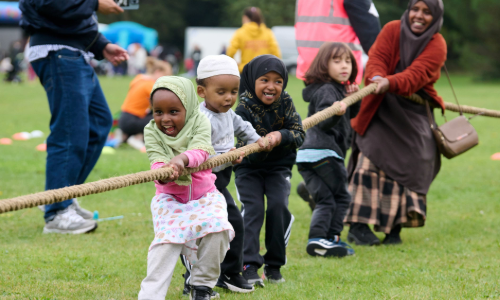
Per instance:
(162,259)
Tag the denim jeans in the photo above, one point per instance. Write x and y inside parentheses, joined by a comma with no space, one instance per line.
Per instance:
(79,124)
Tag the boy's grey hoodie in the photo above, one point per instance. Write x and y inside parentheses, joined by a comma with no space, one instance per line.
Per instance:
(224,127)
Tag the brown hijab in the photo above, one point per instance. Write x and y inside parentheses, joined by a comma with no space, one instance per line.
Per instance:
(410,44)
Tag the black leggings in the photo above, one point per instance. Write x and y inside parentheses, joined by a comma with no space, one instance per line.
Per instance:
(131,124)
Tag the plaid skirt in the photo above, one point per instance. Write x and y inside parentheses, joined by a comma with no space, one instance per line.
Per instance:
(381,201)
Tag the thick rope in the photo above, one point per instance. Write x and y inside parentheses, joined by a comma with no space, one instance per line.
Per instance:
(454,107)
(114,183)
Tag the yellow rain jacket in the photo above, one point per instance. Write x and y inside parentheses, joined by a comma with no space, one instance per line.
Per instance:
(253,40)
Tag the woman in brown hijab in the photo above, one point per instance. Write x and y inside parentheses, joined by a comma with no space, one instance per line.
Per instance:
(395,158)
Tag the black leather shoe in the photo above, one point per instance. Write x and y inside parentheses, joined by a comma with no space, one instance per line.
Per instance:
(393,238)
(361,235)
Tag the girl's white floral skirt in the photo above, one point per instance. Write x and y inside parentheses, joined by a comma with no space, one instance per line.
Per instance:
(179,223)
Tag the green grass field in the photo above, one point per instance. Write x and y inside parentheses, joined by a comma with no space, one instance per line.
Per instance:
(456,255)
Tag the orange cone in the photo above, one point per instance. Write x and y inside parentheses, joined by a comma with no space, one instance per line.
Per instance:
(496,156)
(5,141)
(41,147)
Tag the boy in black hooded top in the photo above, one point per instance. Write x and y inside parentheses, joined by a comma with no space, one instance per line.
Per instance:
(265,104)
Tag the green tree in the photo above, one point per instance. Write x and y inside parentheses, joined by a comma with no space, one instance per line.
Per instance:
(470,26)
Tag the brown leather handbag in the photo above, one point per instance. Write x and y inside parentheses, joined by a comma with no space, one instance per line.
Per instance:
(456,136)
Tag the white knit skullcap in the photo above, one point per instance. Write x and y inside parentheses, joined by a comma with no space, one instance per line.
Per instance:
(213,65)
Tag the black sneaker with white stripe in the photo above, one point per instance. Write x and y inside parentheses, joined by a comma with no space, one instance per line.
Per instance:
(326,248)
(235,283)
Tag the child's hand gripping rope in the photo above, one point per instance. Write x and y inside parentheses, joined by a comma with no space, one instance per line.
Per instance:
(240,158)
(178,163)
(274,139)
(103,185)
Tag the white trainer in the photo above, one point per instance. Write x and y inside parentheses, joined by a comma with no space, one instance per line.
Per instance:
(69,221)
(87,215)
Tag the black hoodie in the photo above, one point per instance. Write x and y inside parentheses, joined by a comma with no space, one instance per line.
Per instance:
(333,133)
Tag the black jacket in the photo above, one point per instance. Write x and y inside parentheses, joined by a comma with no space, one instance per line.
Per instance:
(366,25)
(333,133)
(67,22)
(280,116)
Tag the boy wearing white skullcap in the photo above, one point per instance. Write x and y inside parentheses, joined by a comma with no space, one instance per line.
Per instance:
(218,83)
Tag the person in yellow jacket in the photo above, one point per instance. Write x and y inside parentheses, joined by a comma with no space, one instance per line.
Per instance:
(253,38)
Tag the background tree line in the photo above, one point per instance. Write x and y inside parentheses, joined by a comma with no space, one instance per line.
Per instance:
(470,27)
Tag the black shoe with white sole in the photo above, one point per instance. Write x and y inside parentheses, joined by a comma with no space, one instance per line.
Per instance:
(187,287)
(273,275)
(235,283)
(251,275)
(325,248)
(202,293)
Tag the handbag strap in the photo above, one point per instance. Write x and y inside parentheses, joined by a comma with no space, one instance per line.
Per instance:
(452,89)
(429,115)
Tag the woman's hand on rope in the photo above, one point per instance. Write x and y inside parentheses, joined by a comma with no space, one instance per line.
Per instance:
(382,85)
(240,158)
(274,139)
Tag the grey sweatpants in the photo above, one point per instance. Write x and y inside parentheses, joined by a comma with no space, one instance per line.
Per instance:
(162,259)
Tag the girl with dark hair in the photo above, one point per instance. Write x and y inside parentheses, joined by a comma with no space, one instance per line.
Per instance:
(268,107)
(320,160)
(189,213)
(253,38)
(395,157)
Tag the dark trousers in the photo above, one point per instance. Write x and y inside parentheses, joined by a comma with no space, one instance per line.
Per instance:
(253,185)
(131,124)
(233,262)
(79,124)
(326,181)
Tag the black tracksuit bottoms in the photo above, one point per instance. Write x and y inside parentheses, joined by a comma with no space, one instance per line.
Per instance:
(233,262)
(252,184)
(326,181)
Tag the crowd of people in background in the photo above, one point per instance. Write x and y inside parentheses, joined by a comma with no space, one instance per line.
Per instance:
(16,61)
